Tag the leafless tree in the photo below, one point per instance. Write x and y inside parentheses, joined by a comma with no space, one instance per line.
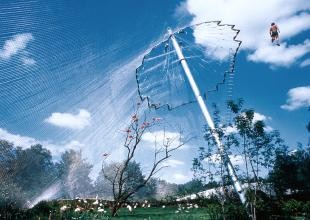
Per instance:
(119,175)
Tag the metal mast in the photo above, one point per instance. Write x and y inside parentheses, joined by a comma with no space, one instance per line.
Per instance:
(206,114)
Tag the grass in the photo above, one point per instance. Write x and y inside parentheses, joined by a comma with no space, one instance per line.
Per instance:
(52,210)
(100,210)
(163,213)
(152,213)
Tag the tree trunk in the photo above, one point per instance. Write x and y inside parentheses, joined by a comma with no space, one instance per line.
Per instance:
(115,207)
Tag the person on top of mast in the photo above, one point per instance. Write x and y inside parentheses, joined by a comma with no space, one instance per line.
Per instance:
(274,33)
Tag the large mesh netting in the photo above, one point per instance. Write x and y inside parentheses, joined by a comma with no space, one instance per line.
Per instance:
(209,49)
(58,60)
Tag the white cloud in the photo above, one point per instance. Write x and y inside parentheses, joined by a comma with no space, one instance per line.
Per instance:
(74,144)
(28,61)
(71,121)
(235,159)
(297,98)
(217,41)
(305,63)
(173,163)
(250,17)
(260,117)
(268,128)
(230,130)
(176,176)
(280,55)
(294,25)
(257,117)
(15,45)
(181,11)
(26,142)
(161,136)
(22,141)
(180,178)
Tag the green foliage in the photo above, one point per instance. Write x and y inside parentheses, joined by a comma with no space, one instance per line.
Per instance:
(24,173)
(292,207)
(235,107)
(215,211)
(306,209)
(148,191)
(34,168)
(193,186)
(252,142)
(234,211)
(290,174)
(133,176)
(256,145)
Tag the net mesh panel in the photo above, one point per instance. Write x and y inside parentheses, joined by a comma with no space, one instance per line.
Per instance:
(209,49)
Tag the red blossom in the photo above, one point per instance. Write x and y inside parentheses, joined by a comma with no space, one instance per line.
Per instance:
(134,117)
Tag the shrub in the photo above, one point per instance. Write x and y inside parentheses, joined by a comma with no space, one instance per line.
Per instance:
(306,209)
(292,207)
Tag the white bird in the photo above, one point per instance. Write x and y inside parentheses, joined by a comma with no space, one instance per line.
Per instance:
(63,208)
(129,208)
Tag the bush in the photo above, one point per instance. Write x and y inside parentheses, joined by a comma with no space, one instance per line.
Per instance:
(235,211)
(306,209)
(292,207)
(214,211)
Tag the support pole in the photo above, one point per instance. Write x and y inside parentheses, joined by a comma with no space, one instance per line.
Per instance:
(230,169)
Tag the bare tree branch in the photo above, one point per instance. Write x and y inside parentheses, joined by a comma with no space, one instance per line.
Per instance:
(133,137)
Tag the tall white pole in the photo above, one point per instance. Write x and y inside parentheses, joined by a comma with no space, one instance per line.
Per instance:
(206,114)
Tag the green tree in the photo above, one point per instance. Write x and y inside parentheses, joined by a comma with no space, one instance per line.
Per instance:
(244,137)
(149,191)
(11,194)
(74,174)
(34,169)
(193,186)
(290,173)
(25,173)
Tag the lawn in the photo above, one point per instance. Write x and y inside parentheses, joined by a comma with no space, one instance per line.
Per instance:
(149,213)
(99,209)
(82,209)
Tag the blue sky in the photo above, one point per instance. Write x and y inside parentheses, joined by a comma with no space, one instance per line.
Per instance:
(67,70)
